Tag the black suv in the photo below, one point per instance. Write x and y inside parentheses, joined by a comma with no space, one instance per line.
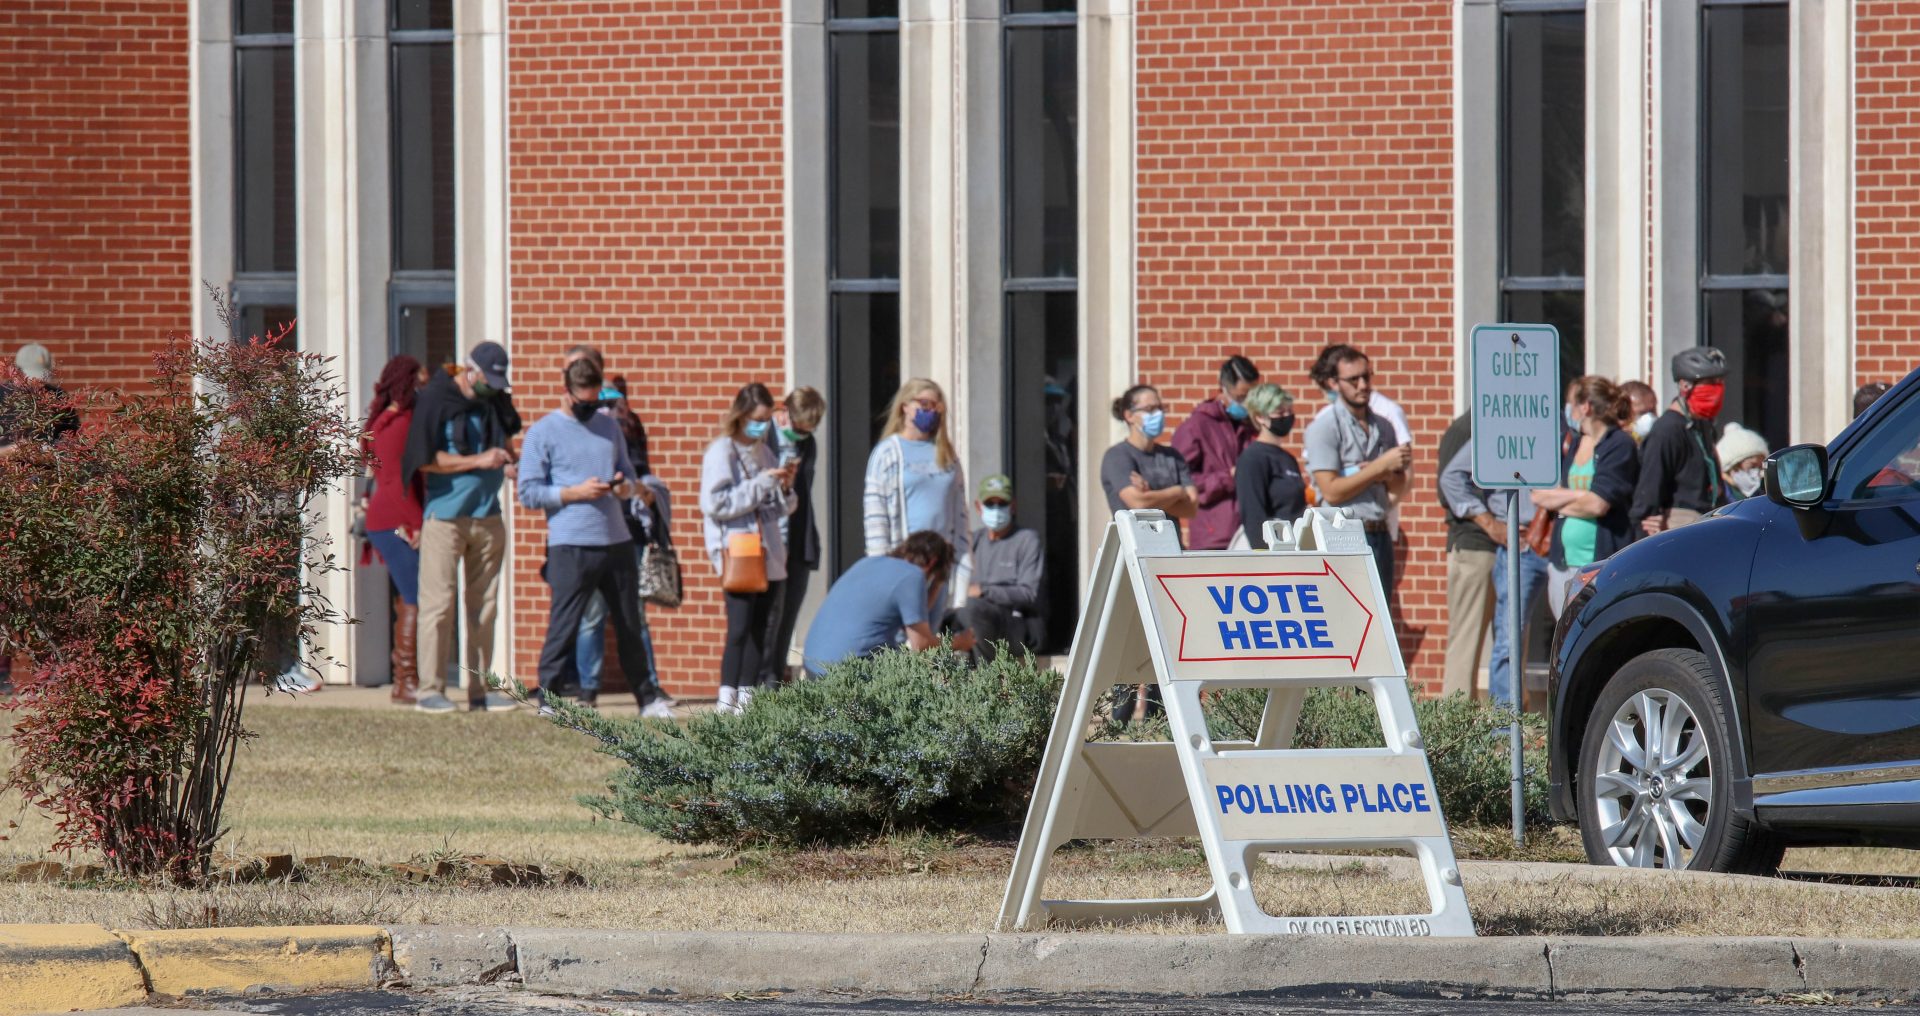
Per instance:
(1752,680)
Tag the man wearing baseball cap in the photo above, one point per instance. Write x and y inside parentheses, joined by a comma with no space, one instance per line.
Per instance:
(1004,601)
(462,423)
(1679,472)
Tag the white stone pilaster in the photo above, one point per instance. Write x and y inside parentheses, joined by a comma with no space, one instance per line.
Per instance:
(1107,241)
(1820,219)
(929,84)
(1616,188)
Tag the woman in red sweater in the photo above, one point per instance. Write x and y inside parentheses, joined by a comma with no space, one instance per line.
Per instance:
(393,510)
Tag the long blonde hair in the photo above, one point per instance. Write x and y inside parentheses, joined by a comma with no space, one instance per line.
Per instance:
(942,448)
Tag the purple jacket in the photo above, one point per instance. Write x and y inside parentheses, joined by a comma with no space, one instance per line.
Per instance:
(1211,442)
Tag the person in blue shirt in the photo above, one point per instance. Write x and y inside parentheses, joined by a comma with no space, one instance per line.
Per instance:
(878,599)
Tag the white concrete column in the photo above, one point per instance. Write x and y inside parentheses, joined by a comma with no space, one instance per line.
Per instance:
(977,266)
(1616,188)
(1108,207)
(1820,219)
(929,87)
(1675,157)
(210,158)
(1476,176)
(809,319)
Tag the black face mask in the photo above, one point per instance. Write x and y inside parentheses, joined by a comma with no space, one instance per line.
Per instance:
(1280,426)
(583,411)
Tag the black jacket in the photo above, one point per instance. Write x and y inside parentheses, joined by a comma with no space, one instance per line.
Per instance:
(803,530)
(1616,468)
(442,403)
(1462,533)
(1678,467)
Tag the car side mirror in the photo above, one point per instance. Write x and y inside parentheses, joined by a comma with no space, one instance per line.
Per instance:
(1797,477)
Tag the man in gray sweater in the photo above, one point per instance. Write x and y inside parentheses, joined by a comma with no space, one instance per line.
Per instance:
(1008,569)
(574,466)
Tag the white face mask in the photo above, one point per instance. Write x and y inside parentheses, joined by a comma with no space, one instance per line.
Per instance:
(1746,481)
(1643,425)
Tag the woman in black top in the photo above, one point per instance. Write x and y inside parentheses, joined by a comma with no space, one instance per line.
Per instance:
(1267,479)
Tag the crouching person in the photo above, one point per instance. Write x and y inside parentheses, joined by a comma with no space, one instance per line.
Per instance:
(879,599)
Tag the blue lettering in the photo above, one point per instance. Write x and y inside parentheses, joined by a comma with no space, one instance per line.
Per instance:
(1260,803)
(1243,797)
(1290,636)
(1309,600)
(1420,798)
(1226,797)
(1280,596)
(1402,797)
(1349,795)
(1381,801)
(1222,598)
(1231,632)
(1263,634)
(1317,635)
(1278,805)
(1302,797)
(1324,794)
(1254,599)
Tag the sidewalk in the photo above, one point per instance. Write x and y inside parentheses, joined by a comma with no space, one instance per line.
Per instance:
(346,696)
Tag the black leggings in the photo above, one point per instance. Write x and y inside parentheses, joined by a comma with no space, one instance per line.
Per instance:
(748,627)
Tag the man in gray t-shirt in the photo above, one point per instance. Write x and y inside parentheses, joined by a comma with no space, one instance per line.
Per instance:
(1355,461)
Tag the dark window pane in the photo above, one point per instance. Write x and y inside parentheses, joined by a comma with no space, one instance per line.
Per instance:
(865,9)
(1564,310)
(865,370)
(261,322)
(1543,144)
(1043,371)
(426,334)
(416,15)
(1041,6)
(263,17)
(423,157)
(1750,326)
(866,155)
(1744,140)
(263,147)
(1042,177)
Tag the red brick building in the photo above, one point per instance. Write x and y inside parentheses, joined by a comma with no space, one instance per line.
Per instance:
(1034,202)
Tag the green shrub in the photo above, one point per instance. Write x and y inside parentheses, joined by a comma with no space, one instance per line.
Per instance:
(902,740)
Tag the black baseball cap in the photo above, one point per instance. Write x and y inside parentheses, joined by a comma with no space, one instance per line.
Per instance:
(490,359)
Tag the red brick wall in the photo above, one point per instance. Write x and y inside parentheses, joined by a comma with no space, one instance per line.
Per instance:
(95,210)
(1295,189)
(647,203)
(1887,189)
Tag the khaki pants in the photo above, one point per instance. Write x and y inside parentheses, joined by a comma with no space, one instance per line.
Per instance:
(445,545)
(1469,608)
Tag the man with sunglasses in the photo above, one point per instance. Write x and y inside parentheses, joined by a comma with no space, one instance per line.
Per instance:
(1679,471)
(1356,461)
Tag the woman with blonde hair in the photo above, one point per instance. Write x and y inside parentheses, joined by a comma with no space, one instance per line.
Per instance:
(915,481)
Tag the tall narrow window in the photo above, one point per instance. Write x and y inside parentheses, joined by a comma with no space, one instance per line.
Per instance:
(421,292)
(264,239)
(1041,235)
(1543,160)
(1743,207)
(863,40)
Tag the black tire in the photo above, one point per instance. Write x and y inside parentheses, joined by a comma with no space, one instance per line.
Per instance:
(1638,807)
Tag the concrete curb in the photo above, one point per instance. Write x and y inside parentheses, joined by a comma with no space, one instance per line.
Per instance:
(58,967)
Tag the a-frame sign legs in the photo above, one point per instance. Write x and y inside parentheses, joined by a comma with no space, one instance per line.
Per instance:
(1303,616)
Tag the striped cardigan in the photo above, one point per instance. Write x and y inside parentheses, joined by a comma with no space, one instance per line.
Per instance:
(884,515)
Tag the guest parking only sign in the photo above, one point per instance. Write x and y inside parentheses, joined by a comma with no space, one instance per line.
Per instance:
(1516,405)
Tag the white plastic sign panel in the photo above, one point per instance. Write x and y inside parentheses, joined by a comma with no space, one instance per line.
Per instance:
(1261,616)
(1516,405)
(1292,798)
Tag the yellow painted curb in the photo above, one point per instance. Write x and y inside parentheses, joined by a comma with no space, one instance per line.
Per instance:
(235,959)
(48,968)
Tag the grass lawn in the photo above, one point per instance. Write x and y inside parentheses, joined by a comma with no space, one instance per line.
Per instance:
(388,785)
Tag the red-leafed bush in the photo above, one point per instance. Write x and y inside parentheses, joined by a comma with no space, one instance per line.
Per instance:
(153,564)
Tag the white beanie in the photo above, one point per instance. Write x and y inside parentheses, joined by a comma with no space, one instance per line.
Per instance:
(1739,444)
(34,361)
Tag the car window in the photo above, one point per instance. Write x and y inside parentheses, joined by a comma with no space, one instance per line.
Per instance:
(1886,465)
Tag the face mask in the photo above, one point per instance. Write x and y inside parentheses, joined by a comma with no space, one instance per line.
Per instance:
(1706,398)
(926,421)
(1280,426)
(1152,424)
(1332,396)
(610,394)
(757,429)
(1643,425)
(483,390)
(1236,411)
(996,516)
(791,436)
(1746,481)
(1573,422)
(583,411)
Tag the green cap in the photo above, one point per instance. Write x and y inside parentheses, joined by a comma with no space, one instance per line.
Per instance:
(996,486)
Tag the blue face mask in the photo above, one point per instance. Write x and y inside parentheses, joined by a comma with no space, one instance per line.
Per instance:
(1236,411)
(1154,423)
(996,516)
(757,429)
(926,421)
(1572,424)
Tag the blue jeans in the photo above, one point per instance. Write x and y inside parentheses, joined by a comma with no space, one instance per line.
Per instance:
(590,651)
(403,563)
(1533,582)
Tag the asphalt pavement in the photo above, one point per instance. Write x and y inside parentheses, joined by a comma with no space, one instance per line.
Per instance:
(496,1001)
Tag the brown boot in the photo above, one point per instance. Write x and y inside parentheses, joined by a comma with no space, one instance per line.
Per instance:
(406,669)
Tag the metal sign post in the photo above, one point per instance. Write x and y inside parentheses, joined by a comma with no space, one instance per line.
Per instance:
(1308,612)
(1516,446)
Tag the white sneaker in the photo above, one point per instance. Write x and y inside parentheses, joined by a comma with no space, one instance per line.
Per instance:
(728,705)
(296,681)
(744,698)
(658,709)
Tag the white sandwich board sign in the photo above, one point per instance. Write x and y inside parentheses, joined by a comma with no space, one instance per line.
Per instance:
(1307,613)
(1516,405)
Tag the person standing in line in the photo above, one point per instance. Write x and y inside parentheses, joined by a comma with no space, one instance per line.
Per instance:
(1471,553)
(795,421)
(1743,454)
(1211,439)
(915,481)
(1646,408)
(1322,375)
(1487,511)
(1355,461)
(576,470)
(1596,482)
(745,489)
(394,512)
(1866,395)
(1679,472)
(1139,472)
(462,422)
(1009,566)
(1268,482)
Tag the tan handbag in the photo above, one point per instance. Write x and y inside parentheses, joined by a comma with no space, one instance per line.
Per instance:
(743,565)
(1539,535)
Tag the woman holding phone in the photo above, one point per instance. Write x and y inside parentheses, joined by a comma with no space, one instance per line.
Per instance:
(744,490)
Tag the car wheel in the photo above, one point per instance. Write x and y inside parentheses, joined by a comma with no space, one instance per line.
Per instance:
(1653,776)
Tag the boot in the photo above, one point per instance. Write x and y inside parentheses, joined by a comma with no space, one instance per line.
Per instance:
(406,667)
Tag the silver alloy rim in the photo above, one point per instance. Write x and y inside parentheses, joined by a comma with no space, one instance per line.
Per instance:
(1653,782)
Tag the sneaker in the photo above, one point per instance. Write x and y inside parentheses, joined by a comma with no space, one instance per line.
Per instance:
(433,702)
(297,682)
(590,699)
(744,698)
(495,702)
(658,709)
